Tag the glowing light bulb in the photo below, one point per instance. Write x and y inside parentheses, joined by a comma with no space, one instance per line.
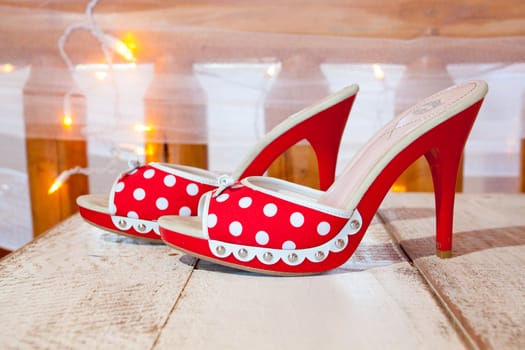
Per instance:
(8,68)
(59,181)
(272,70)
(56,185)
(119,47)
(124,51)
(142,128)
(67,121)
(378,72)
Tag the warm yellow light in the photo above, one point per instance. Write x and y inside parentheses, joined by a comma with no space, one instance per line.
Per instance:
(130,42)
(378,72)
(8,68)
(142,128)
(150,149)
(67,121)
(101,75)
(272,70)
(55,186)
(399,188)
(124,50)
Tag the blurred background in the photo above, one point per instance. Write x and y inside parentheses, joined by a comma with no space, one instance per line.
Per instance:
(86,86)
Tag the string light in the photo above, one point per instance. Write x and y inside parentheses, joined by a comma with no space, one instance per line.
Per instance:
(378,72)
(272,70)
(67,121)
(108,44)
(8,68)
(142,128)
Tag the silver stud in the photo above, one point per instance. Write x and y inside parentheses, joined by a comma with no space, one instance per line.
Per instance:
(220,250)
(339,243)
(354,224)
(268,256)
(319,255)
(122,223)
(141,227)
(292,257)
(243,253)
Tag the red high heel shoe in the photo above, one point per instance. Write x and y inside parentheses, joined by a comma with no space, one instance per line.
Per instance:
(140,196)
(272,226)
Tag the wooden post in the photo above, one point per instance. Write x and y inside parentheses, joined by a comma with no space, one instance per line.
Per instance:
(421,79)
(175,106)
(522,148)
(51,146)
(299,84)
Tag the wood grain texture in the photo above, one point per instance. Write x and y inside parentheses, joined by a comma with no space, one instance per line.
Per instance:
(78,287)
(375,301)
(388,307)
(483,285)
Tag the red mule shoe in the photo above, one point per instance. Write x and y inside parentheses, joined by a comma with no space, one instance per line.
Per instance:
(275,227)
(143,194)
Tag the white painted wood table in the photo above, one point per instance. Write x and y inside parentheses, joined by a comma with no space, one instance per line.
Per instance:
(79,287)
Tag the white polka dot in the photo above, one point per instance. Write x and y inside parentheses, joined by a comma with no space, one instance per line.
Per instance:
(162,203)
(184,211)
(192,189)
(297,219)
(222,197)
(133,215)
(323,228)
(169,180)
(270,210)
(148,174)
(212,220)
(235,228)
(288,245)
(119,187)
(262,238)
(112,209)
(245,202)
(139,194)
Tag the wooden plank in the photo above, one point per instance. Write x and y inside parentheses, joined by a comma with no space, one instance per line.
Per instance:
(522,163)
(79,287)
(482,285)
(375,308)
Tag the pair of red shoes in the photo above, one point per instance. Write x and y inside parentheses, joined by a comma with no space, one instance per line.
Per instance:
(272,226)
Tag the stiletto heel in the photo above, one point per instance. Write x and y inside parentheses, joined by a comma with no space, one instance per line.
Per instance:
(144,193)
(444,160)
(275,227)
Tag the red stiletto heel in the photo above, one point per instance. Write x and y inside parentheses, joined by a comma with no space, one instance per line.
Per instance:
(275,227)
(143,194)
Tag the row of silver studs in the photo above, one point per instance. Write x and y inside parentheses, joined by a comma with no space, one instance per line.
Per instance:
(290,257)
(141,226)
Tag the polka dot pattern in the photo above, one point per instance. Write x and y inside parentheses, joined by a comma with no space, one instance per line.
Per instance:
(235,228)
(297,219)
(162,203)
(139,194)
(244,216)
(270,210)
(151,192)
(245,202)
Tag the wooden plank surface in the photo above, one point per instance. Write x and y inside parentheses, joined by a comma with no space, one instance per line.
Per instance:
(377,302)
(483,285)
(77,287)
